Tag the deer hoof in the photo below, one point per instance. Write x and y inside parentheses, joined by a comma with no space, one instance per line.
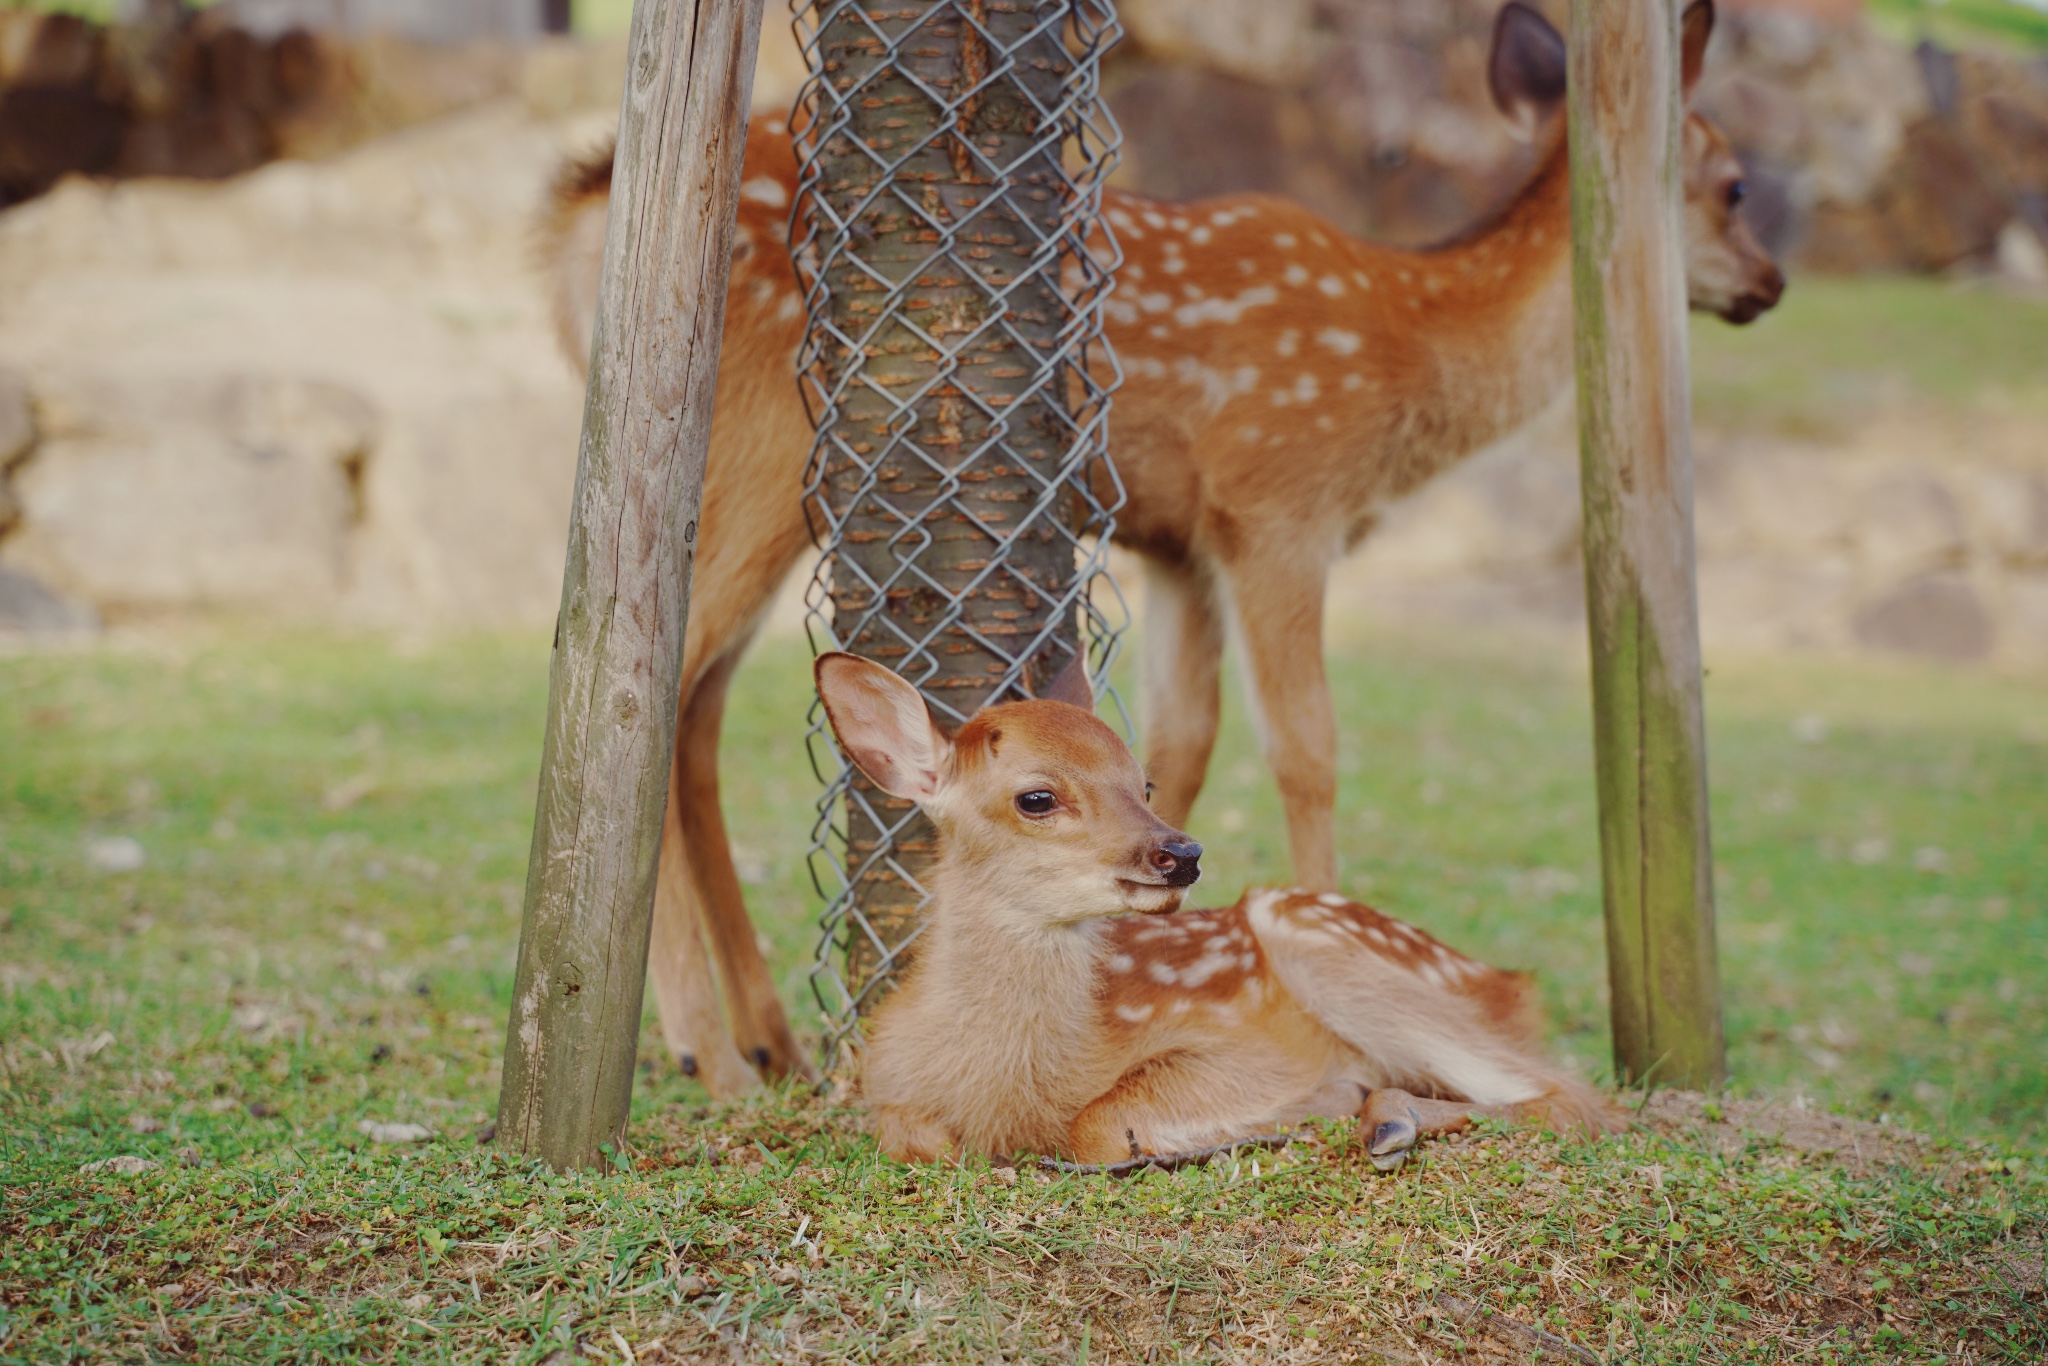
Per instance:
(1391,1141)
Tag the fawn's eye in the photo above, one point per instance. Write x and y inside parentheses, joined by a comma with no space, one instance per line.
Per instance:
(1149,785)
(1039,803)
(1737,192)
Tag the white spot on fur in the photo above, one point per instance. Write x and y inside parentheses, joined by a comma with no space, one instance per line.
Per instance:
(1226,311)
(1337,339)
(1285,241)
(1182,1006)
(1203,968)
(765,190)
(1179,224)
(1306,389)
(1154,220)
(1247,266)
(1121,962)
(1361,279)
(1289,343)
(1162,973)
(789,309)
(1295,275)
(1119,311)
(1379,936)
(1225,1014)
(1173,265)
(1156,302)
(1135,1014)
(1200,236)
(1331,286)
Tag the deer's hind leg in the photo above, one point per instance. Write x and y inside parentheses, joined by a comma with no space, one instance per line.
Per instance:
(760,1027)
(679,965)
(1422,1019)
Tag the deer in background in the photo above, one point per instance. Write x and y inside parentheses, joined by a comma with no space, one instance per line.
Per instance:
(1283,384)
(1041,1017)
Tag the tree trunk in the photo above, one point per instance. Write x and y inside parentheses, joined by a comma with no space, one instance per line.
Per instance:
(943,465)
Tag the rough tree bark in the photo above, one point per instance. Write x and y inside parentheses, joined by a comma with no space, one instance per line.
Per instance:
(625,592)
(947,374)
(1636,463)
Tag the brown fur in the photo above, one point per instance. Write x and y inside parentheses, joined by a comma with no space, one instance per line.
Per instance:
(1282,382)
(1041,1017)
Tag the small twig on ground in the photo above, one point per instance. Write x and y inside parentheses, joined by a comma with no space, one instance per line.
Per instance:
(1470,1314)
(1165,1162)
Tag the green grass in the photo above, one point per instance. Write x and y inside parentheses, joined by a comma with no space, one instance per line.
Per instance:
(1839,353)
(1963,23)
(322,935)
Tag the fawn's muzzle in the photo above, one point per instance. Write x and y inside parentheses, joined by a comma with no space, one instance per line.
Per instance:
(1177,861)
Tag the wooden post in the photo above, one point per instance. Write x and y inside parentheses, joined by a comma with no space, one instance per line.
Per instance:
(625,592)
(1636,461)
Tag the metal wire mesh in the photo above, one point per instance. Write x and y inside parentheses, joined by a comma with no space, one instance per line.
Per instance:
(951,159)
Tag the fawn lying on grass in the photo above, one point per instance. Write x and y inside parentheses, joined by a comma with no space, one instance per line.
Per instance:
(1283,382)
(1040,1017)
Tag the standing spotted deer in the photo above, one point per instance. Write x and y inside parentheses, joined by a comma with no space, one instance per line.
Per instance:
(1283,383)
(1041,1017)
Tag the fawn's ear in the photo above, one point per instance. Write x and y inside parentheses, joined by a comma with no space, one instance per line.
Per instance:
(882,725)
(1695,27)
(1526,69)
(1070,685)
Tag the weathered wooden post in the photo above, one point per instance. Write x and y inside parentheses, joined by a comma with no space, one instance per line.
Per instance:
(1636,457)
(625,592)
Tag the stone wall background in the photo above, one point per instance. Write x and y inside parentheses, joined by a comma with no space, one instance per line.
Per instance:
(324,389)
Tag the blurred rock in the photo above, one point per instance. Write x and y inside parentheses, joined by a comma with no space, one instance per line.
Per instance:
(1376,114)
(1901,540)
(17,440)
(318,390)
(29,608)
(1939,616)
(170,491)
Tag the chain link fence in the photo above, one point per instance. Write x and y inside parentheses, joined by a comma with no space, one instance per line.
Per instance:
(952,155)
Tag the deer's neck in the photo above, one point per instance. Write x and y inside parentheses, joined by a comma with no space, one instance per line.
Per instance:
(1004,1040)
(1493,311)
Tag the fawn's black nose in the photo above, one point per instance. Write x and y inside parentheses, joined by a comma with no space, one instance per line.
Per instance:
(1178,861)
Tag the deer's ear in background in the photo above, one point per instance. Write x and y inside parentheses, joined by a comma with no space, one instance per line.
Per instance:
(1070,685)
(1526,70)
(1695,27)
(882,725)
